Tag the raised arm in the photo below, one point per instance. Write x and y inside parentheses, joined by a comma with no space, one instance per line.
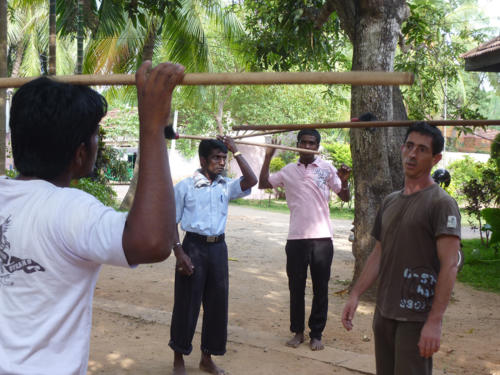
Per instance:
(368,276)
(249,179)
(430,337)
(344,172)
(264,171)
(150,228)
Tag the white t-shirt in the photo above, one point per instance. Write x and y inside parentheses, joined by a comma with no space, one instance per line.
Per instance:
(52,243)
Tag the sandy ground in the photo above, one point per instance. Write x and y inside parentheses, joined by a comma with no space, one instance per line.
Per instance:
(132,308)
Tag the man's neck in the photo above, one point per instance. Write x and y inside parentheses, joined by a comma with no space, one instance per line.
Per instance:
(306,161)
(210,176)
(413,185)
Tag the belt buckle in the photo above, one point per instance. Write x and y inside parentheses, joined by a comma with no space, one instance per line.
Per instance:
(212,238)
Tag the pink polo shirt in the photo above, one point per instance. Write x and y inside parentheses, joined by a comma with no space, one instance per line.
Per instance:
(307,195)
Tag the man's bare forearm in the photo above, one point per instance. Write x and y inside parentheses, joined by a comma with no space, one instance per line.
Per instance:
(264,173)
(249,178)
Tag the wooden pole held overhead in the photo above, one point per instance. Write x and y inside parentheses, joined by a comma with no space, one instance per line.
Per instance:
(365,124)
(279,147)
(258,134)
(260,78)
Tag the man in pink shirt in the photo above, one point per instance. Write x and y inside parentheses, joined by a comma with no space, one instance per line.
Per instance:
(307,185)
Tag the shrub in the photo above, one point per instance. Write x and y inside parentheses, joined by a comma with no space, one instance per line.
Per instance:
(101,191)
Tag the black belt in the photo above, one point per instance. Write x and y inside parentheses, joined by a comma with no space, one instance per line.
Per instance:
(209,239)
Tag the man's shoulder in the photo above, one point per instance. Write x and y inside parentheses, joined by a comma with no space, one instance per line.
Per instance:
(185,181)
(441,196)
(323,162)
(392,196)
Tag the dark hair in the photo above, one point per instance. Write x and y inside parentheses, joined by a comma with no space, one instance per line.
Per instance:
(207,145)
(48,121)
(425,129)
(367,116)
(313,132)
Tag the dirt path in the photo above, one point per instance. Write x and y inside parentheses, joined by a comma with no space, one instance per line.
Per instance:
(132,314)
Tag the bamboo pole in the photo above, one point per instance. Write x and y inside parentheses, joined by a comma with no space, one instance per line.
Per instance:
(261,78)
(279,147)
(365,124)
(257,134)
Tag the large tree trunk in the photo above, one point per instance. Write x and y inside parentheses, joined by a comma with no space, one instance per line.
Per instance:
(3,73)
(374,27)
(147,54)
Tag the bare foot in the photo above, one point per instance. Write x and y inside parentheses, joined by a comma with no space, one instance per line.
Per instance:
(316,344)
(179,368)
(207,365)
(296,340)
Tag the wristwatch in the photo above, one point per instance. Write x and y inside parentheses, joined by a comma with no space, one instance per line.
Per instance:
(237,153)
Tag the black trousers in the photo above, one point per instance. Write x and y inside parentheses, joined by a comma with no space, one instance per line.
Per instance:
(209,284)
(396,347)
(318,254)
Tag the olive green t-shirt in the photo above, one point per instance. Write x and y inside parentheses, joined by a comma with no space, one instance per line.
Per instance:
(407,227)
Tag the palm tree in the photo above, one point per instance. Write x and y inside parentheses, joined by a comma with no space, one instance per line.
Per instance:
(52,37)
(28,40)
(3,73)
(177,36)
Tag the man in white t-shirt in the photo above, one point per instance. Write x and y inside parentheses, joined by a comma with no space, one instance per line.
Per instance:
(53,239)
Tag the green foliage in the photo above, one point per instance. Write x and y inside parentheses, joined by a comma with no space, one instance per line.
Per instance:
(481,193)
(108,163)
(11,173)
(462,171)
(276,164)
(435,35)
(282,36)
(495,151)
(116,169)
(481,267)
(492,217)
(99,190)
(339,153)
(121,123)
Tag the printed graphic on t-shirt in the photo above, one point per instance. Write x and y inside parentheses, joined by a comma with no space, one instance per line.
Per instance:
(321,177)
(418,289)
(452,222)
(10,264)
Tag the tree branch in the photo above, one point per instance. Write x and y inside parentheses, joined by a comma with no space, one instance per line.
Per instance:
(346,12)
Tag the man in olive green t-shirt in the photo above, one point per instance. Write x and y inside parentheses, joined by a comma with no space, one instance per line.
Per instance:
(417,233)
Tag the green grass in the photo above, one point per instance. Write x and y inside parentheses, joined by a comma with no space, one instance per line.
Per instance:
(482,267)
(336,212)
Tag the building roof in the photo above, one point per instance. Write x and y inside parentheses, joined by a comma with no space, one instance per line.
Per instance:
(484,58)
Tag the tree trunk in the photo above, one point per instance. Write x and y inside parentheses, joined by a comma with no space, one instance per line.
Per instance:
(129,197)
(52,37)
(375,152)
(79,38)
(3,73)
(147,54)
(18,60)
(226,93)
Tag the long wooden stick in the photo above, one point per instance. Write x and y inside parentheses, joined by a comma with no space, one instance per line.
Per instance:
(258,134)
(280,147)
(261,78)
(365,124)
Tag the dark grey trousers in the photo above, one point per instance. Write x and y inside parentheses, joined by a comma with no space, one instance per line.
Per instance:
(209,284)
(317,254)
(396,350)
